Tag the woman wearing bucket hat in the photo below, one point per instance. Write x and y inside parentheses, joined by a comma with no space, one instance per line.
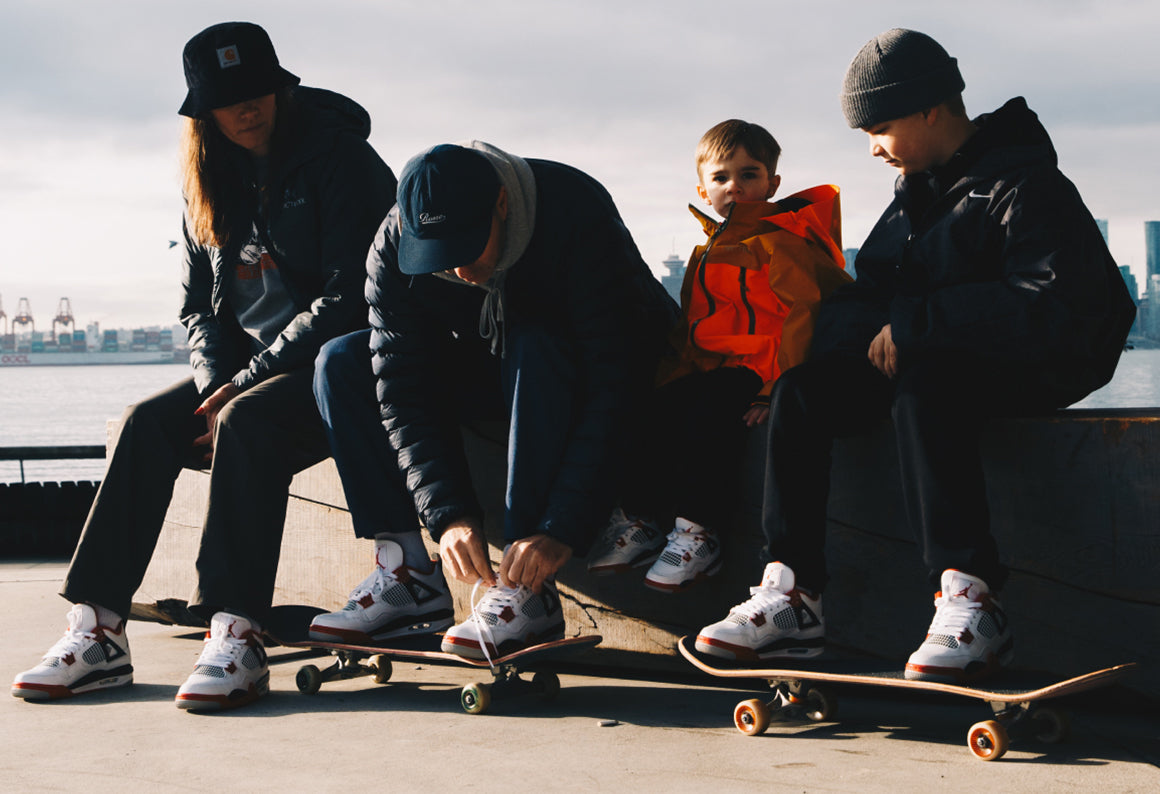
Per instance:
(283,196)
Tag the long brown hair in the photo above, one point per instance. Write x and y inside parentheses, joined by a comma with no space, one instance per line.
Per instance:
(213,185)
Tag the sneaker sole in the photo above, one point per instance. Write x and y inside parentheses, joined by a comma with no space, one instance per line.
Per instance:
(956,675)
(352,637)
(800,649)
(670,587)
(470,649)
(31,691)
(193,701)
(623,567)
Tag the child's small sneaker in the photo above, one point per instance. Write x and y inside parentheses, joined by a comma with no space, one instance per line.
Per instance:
(778,621)
(394,601)
(627,543)
(506,620)
(969,637)
(231,670)
(88,657)
(692,554)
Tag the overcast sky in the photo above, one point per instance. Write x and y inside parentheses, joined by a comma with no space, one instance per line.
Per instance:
(623,89)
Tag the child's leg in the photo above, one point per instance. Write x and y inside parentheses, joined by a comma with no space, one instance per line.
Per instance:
(811,405)
(706,442)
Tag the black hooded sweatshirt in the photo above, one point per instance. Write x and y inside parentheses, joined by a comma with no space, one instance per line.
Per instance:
(993,255)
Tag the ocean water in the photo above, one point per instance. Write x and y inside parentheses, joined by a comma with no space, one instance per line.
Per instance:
(56,406)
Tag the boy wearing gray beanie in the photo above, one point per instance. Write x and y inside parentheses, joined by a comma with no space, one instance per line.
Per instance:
(985,289)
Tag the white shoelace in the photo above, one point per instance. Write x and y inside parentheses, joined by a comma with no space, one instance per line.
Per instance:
(492,595)
(220,651)
(71,642)
(480,624)
(679,541)
(953,615)
(760,599)
(378,576)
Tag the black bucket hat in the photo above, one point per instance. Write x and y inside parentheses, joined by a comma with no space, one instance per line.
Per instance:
(230,63)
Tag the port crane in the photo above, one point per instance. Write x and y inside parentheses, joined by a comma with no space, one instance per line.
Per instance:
(64,318)
(23,316)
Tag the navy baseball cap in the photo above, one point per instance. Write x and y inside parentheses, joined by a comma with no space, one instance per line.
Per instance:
(230,63)
(446,198)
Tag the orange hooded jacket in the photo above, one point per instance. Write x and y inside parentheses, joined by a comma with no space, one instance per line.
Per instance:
(751,293)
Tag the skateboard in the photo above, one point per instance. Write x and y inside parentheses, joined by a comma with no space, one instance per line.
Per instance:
(354,661)
(800,692)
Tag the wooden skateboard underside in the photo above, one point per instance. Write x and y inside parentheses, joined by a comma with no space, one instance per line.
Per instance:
(353,661)
(797,695)
(842,672)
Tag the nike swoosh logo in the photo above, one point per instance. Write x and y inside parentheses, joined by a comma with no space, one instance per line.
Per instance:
(973,194)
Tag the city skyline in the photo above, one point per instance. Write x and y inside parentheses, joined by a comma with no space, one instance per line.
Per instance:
(90,196)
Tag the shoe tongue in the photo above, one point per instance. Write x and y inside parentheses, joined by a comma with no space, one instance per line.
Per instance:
(82,617)
(388,555)
(957,583)
(225,624)
(778,576)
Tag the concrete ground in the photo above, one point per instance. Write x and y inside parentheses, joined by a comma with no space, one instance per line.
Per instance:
(411,735)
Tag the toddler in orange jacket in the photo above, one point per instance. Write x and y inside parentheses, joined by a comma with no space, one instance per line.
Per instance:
(748,303)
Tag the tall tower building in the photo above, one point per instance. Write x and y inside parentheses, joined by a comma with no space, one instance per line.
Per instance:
(1102,223)
(850,254)
(1152,249)
(674,275)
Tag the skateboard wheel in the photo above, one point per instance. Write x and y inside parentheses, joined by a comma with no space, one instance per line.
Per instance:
(1052,726)
(381,668)
(820,705)
(987,740)
(751,717)
(475,698)
(547,684)
(308,680)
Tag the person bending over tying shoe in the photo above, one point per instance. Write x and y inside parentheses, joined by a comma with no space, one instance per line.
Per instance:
(985,289)
(500,288)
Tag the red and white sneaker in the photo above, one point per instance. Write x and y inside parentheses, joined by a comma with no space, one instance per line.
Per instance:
(969,637)
(692,554)
(506,620)
(628,542)
(231,670)
(87,658)
(394,601)
(779,621)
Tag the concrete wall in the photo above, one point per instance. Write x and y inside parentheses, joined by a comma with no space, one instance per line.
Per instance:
(1075,501)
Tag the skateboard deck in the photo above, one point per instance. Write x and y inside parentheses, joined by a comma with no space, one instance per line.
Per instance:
(799,691)
(353,660)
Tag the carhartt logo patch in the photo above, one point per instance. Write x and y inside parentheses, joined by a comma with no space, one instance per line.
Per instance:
(426,218)
(228,56)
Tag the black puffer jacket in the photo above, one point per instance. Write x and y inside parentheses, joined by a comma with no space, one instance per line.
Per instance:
(327,197)
(581,280)
(993,254)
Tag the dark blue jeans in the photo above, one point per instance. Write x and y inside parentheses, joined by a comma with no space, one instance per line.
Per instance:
(938,406)
(344,387)
(533,388)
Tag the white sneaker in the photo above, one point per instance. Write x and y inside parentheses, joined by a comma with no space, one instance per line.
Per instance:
(394,601)
(969,637)
(627,543)
(691,554)
(88,657)
(777,622)
(506,620)
(231,670)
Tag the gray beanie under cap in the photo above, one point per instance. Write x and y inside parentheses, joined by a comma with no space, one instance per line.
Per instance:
(898,73)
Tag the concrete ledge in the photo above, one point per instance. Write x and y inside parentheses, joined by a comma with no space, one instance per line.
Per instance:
(1075,501)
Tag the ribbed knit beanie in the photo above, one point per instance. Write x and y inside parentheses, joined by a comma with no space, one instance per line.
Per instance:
(898,73)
